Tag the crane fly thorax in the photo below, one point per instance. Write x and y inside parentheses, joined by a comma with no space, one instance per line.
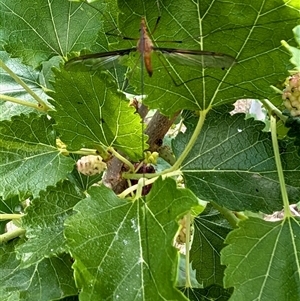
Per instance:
(144,44)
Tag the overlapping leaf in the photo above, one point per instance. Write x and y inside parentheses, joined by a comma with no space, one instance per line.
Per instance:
(90,113)
(232,163)
(29,159)
(267,255)
(123,250)
(211,230)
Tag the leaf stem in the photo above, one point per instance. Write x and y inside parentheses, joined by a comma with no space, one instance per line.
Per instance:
(82,151)
(228,214)
(273,110)
(192,141)
(287,211)
(121,158)
(43,106)
(187,250)
(146,182)
(11,235)
(10,216)
(21,102)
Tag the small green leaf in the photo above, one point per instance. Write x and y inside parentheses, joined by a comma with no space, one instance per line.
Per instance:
(232,163)
(267,255)
(51,279)
(90,113)
(123,250)
(29,159)
(44,223)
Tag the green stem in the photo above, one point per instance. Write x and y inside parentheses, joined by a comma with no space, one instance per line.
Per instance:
(11,235)
(287,211)
(146,182)
(82,151)
(21,102)
(43,106)
(273,110)
(187,250)
(177,164)
(192,141)
(228,214)
(121,158)
(10,216)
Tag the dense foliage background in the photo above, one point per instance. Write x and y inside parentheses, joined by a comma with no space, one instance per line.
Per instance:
(225,172)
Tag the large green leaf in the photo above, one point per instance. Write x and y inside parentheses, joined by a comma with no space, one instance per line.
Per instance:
(232,163)
(250,32)
(44,223)
(51,279)
(263,260)
(29,159)
(123,250)
(94,114)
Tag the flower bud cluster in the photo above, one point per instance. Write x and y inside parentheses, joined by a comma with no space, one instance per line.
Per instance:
(291,94)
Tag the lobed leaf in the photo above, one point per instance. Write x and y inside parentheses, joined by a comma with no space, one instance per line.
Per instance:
(123,250)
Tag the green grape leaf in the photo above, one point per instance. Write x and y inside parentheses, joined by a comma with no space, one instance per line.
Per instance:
(38,30)
(44,223)
(267,255)
(232,163)
(134,239)
(51,279)
(30,160)
(210,232)
(94,114)
(251,33)
(10,88)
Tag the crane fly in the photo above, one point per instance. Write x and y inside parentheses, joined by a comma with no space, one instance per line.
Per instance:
(146,47)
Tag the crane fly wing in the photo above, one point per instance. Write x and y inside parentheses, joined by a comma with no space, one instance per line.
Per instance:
(94,61)
(198,57)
